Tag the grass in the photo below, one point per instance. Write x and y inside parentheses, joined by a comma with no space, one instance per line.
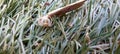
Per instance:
(93,28)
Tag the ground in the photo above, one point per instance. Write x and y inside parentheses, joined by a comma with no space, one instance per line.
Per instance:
(93,28)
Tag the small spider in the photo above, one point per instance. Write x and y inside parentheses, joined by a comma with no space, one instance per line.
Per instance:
(46,21)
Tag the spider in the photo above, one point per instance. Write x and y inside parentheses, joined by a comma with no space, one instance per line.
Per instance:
(46,21)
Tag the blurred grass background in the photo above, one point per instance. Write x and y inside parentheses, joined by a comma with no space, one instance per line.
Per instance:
(91,29)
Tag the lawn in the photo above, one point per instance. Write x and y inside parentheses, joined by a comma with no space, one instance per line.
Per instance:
(94,28)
